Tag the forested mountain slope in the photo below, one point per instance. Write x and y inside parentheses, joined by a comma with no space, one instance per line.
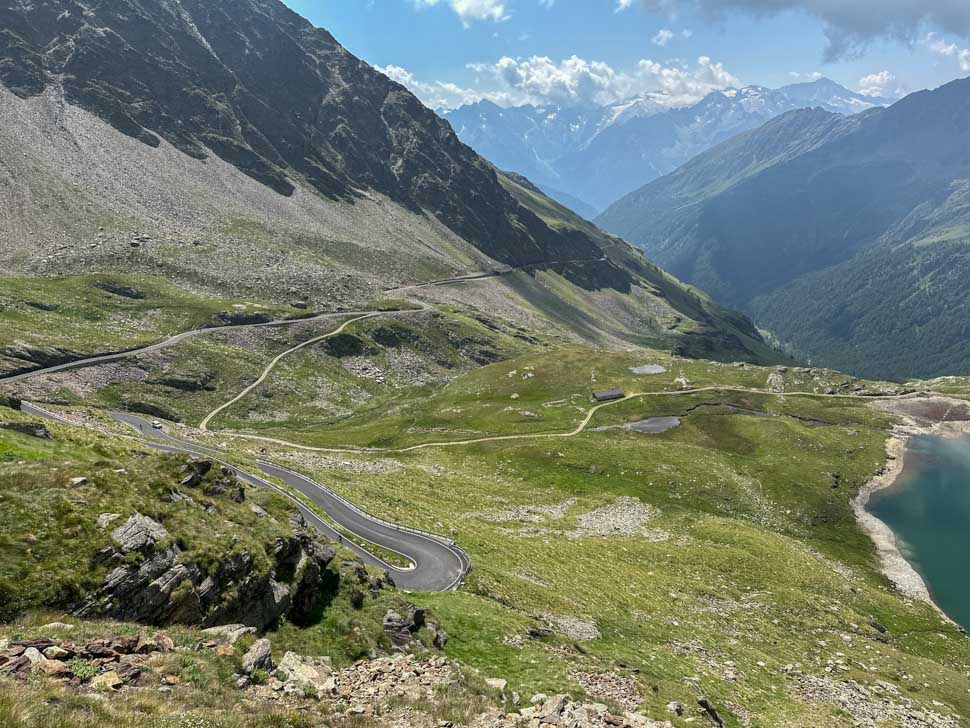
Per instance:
(846,236)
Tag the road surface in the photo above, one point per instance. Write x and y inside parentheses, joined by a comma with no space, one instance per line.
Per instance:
(115,356)
(436,563)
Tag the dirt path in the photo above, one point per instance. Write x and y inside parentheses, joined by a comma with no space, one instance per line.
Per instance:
(204,425)
(549,435)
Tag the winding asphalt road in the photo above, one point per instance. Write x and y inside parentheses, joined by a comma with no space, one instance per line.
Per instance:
(436,563)
(115,356)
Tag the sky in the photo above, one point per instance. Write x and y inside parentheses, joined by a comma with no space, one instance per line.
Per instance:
(512,52)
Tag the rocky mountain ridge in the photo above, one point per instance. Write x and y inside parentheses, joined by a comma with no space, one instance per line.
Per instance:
(846,236)
(239,150)
(581,155)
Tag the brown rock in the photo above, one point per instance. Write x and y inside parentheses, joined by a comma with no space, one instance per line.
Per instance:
(145,645)
(56,668)
(164,642)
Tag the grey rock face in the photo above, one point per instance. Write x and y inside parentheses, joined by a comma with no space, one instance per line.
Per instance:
(138,533)
(163,588)
(400,630)
(259,657)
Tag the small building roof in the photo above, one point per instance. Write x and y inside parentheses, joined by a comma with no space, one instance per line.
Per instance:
(608,395)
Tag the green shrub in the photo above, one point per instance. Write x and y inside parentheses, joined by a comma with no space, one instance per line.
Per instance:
(82,669)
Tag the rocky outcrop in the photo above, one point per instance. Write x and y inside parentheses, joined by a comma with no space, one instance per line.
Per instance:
(559,711)
(150,581)
(41,356)
(239,318)
(153,410)
(10,402)
(105,663)
(120,290)
(259,657)
(186,381)
(31,429)
(400,630)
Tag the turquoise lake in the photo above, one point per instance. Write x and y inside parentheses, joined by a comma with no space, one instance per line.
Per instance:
(929,510)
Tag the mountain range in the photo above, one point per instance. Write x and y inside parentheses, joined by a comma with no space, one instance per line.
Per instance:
(588,156)
(234,148)
(846,236)
(312,416)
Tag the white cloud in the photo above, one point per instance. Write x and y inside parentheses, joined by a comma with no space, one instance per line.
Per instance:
(663,37)
(810,76)
(439,94)
(951,50)
(849,24)
(540,80)
(470,11)
(622,5)
(882,83)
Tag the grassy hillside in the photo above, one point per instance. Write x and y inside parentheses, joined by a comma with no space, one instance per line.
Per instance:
(720,558)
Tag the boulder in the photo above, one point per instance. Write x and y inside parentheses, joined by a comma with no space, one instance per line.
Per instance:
(195,471)
(259,657)
(56,668)
(297,669)
(56,627)
(551,709)
(110,680)
(56,652)
(76,483)
(9,402)
(138,533)
(230,632)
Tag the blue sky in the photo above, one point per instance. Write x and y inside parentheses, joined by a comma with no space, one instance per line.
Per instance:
(519,51)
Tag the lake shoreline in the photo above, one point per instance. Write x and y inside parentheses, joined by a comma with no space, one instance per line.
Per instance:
(894,563)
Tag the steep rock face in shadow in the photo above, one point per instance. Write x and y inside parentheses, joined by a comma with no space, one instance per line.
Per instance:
(359,185)
(147,581)
(254,83)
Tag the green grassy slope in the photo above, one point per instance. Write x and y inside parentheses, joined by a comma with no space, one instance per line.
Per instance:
(738,572)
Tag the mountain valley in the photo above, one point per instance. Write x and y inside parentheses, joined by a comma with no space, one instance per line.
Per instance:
(312,416)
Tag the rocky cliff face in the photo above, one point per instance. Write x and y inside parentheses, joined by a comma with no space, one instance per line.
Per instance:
(257,85)
(149,583)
